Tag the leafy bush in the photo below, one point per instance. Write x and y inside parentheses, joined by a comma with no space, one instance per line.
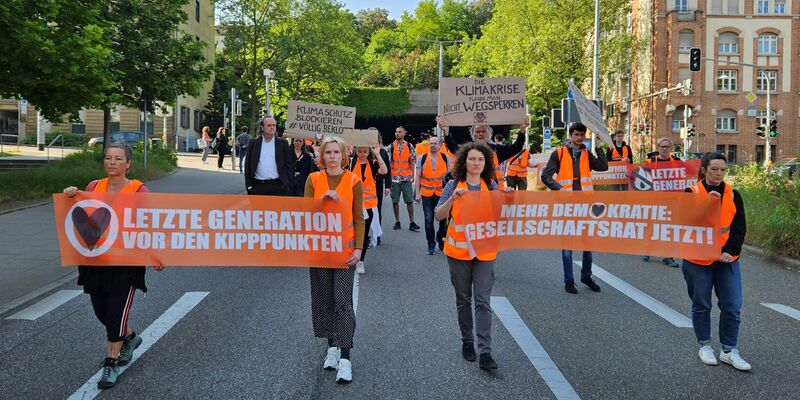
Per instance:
(70,139)
(772,207)
(79,169)
(372,102)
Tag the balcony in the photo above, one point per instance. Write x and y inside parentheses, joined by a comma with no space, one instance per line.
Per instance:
(686,15)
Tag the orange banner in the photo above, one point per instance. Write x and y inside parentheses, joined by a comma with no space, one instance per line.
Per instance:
(668,176)
(617,174)
(656,224)
(199,230)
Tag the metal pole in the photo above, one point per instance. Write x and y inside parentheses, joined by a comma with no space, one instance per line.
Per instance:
(768,150)
(39,131)
(233,116)
(145,134)
(438,99)
(686,126)
(596,74)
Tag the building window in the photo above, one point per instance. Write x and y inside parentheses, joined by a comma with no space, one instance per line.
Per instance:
(721,148)
(733,7)
(682,5)
(686,41)
(726,121)
(761,82)
(761,117)
(726,80)
(716,6)
(184,117)
(677,119)
(196,10)
(731,154)
(760,153)
(728,43)
(780,6)
(767,44)
(762,7)
(197,120)
(684,74)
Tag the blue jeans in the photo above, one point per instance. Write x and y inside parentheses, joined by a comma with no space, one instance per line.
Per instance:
(241,159)
(586,270)
(726,280)
(428,208)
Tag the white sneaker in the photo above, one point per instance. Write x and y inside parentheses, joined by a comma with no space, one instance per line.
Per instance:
(345,371)
(707,355)
(332,358)
(734,359)
(360,268)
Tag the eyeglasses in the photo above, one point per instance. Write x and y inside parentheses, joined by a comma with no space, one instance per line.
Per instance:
(664,147)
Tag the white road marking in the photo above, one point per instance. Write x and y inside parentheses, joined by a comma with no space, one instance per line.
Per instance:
(785,310)
(6,307)
(150,336)
(648,302)
(547,369)
(46,305)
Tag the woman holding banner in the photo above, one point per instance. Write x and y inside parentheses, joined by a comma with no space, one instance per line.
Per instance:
(719,272)
(664,155)
(367,165)
(470,273)
(332,288)
(110,288)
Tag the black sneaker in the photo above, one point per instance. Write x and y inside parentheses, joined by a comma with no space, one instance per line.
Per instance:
(431,249)
(468,351)
(487,362)
(396,225)
(590,283)
(379,241)
(570,288)
(441,246)
(413,227)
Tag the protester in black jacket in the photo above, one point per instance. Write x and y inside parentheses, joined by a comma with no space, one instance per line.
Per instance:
(270,174)
(304,165)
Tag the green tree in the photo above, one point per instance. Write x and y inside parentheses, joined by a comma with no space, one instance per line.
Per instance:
(371,20)
(56,54)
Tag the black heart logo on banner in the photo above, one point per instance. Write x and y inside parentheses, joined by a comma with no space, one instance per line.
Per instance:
(91,227)
(641,179)
(598,210)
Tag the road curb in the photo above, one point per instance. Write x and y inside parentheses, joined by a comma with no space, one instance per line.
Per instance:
(790,262)
(36,293)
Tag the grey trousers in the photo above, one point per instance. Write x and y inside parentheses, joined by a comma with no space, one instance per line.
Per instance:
(468,278)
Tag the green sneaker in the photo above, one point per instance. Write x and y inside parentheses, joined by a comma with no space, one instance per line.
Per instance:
(108,378)
(130,344)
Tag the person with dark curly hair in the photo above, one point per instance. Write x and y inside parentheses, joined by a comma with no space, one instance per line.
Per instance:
(470,272)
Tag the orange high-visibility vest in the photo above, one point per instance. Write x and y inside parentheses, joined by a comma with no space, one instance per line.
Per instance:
(498,174)
(566,174)
(655,159)
(456,245)
(421,148)
(615,156)
(131,187)
(368,188)
(401,164)
(519,166)
(726,215)
(430,182)
(319,180)
(447,152)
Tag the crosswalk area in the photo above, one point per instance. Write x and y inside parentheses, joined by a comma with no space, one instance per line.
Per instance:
(246,333)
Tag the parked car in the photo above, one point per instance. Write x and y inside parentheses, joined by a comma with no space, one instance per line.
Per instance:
(787,166)
(129,138)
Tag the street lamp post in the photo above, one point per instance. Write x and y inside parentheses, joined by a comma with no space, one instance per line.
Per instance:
(596,66)
(268,74)
(441,72)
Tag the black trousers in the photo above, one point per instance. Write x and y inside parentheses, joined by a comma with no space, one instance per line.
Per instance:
(367,224)
(112,311)
(272,187)
(220,157)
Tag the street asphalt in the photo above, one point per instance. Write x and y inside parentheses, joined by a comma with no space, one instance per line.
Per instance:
(251,337)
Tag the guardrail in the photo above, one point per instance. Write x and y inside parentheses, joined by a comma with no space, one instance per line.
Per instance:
(51,144)
(2,142)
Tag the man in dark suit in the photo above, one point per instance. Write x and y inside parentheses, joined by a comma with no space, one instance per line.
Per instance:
(268,164)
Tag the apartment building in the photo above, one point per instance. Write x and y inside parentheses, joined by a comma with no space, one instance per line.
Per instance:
(728,100)
(184,119)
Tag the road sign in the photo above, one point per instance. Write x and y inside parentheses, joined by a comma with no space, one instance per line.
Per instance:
(751,97)
(548,140)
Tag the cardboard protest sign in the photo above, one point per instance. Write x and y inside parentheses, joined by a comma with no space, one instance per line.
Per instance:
(315,121)
(591,115)
(539,158)
(617,174)
(680,225)
(200,230)
(666,176)
(361,137)
(491,101)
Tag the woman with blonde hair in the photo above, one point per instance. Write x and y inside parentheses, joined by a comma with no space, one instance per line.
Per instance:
(332,312)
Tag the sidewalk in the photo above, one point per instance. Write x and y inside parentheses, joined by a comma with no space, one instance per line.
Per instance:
(28,242)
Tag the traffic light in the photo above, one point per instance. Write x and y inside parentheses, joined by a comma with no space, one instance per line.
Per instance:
(695,59)
(690,132)
(773,128)
(760,131)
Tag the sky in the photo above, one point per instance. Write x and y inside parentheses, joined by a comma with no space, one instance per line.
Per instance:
(395,7)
